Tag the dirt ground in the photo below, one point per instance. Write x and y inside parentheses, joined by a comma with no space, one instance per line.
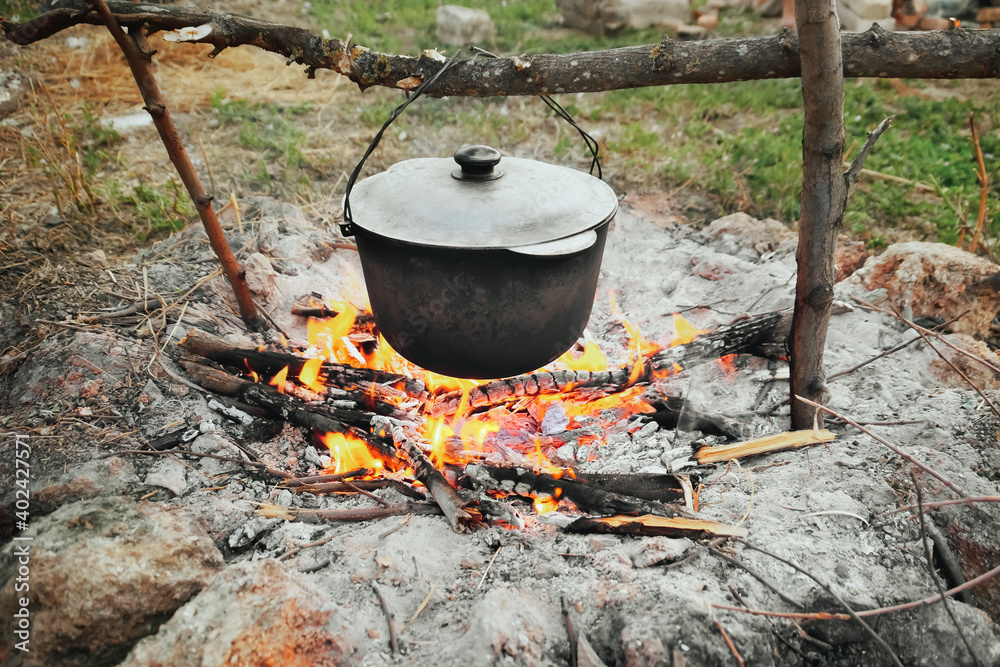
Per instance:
(141,560)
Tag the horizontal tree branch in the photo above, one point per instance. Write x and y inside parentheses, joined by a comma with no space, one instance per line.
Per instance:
(949,54)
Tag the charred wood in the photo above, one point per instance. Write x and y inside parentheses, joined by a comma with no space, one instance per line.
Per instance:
(461,515)
(649,525)
(269,363)
(950,54)
(587,497)
(283,407)
(677,412)
(361,514)
(331,477)
(659,487)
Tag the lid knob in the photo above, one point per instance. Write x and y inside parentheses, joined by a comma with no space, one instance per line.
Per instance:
(477,163)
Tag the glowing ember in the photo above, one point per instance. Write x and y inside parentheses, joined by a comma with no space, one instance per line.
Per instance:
(728,365)
(546,504)
(348,453)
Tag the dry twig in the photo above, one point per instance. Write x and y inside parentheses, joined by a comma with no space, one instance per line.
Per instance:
(389,617)
(899,452)
(851,613)
(139,58)
(933,572)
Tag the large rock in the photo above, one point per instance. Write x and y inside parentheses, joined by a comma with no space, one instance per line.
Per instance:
(932,280)
(255,613)
(606,17)
(460,26)
(101,573)
(12,91)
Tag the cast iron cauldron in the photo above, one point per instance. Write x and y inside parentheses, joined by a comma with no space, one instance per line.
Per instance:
(483,271)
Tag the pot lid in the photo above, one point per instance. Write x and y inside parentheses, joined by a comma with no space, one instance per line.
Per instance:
(483,202)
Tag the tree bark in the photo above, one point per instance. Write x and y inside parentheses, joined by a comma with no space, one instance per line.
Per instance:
(950,54)
(139,60)
(824,199)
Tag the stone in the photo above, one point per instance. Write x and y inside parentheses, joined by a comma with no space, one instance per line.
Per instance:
(12,90)
(460,26)
(852,22)
(931,280)
(979,374)
(169,474)
(601,542)
(759,236)
(869,9)
(509,626)
(94,258)
(102,571)
(261,278)
(711,268)
(655,550)
(255,613)
(709,20)
(607,17)
(850,256)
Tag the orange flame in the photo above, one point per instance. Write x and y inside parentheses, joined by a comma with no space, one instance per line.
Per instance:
(546,504)
(327,335)
(278,381)
(474,433)
(685,331)
(437,433)
(348,453)
(592,359)
(309,375)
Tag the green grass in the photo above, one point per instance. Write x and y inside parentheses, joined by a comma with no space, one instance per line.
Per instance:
(407,26)
(754,129)
(155,210)
(270,130)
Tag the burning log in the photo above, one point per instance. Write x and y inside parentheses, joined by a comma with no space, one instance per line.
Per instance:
(460,515)
(586,496)
(763,335)
(283,407)
(650,525)
(765,445)
(268,363)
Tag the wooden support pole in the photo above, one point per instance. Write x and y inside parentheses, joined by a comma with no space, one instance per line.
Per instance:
(824,199)
(140,59)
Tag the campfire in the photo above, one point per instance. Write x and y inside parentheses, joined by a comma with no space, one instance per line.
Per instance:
(382,421)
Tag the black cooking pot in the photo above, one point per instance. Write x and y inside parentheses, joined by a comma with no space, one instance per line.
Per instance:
(483,271)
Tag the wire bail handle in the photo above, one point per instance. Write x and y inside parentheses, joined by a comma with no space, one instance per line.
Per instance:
(347,226)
